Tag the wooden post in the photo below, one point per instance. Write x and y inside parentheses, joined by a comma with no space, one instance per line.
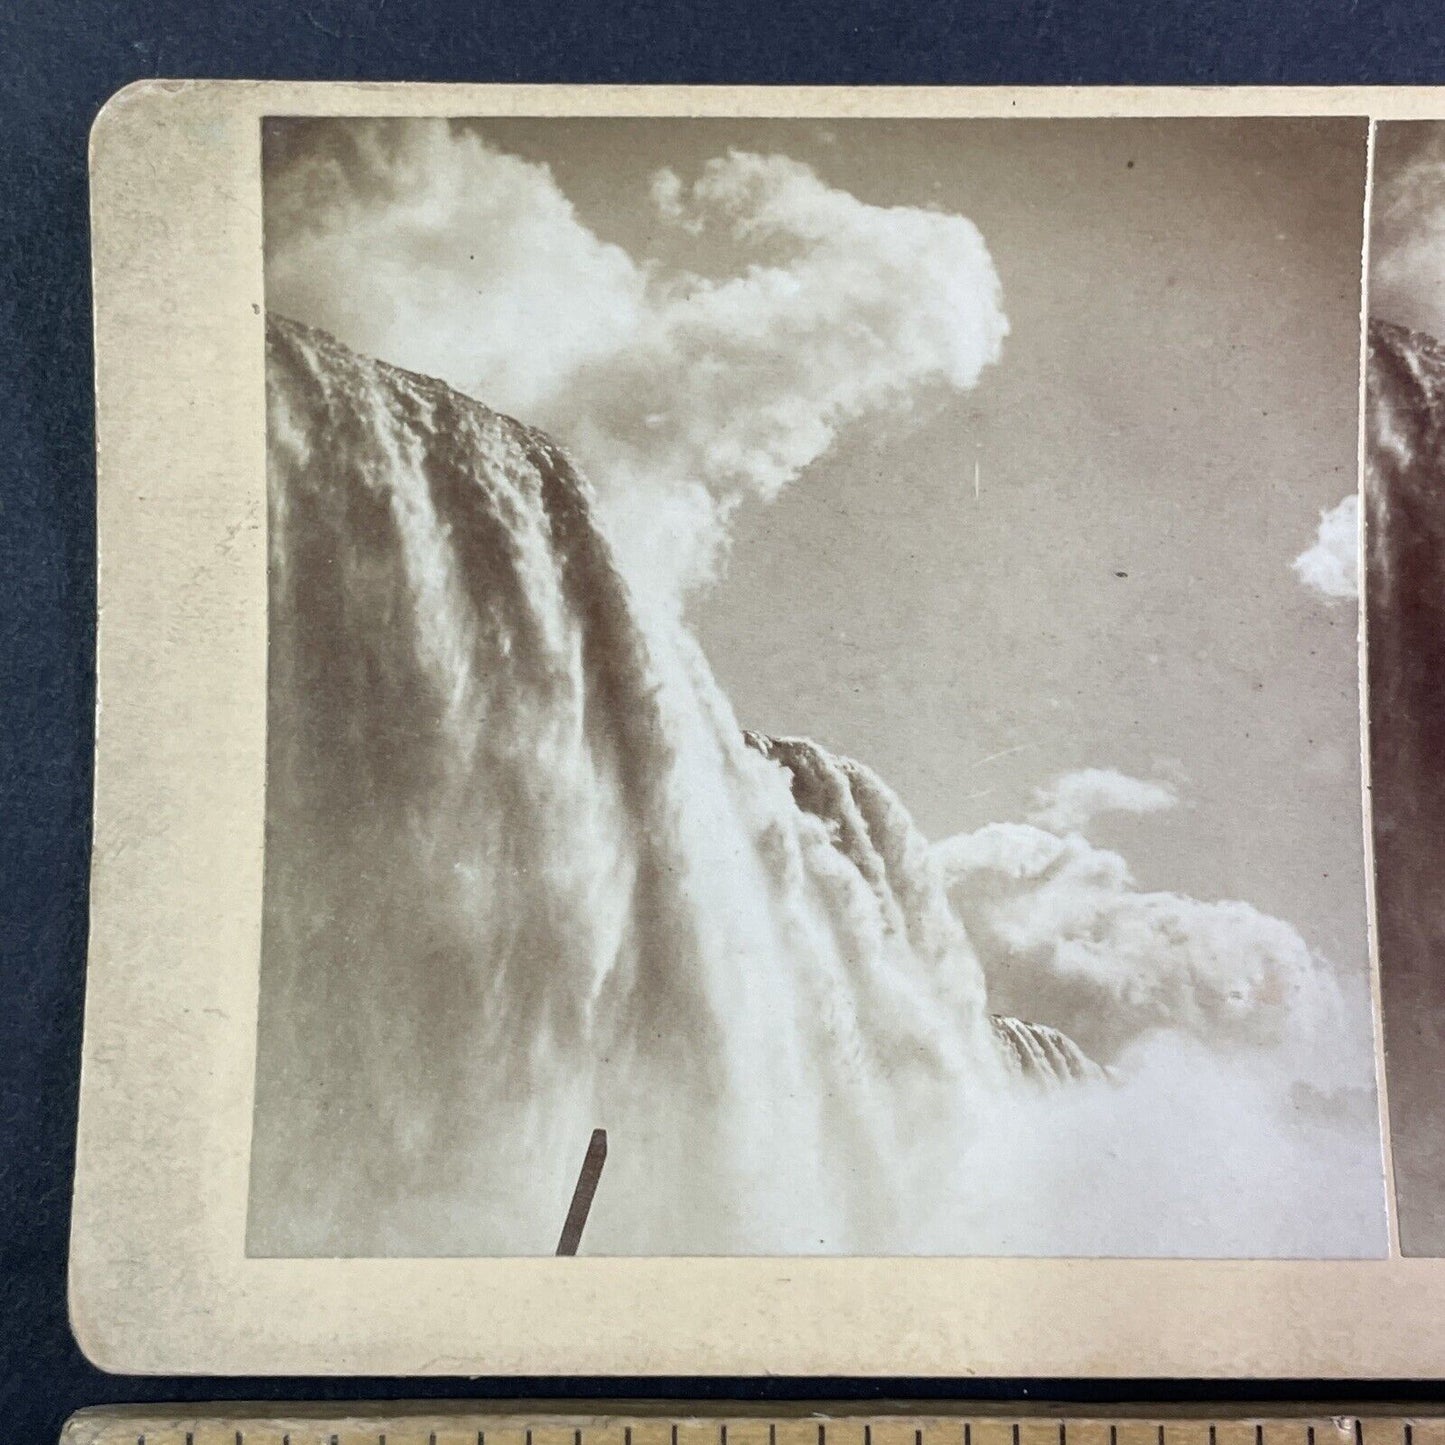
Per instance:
(592,1164)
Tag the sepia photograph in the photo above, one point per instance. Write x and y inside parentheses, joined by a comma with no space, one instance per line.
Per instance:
(722,709)
(1405,494)
(812,693)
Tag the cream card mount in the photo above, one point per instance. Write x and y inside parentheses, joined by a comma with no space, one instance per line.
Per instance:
(764,731)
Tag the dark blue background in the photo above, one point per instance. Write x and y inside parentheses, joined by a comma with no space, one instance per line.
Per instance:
(58,63)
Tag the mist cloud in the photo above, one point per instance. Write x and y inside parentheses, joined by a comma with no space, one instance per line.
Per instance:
(682,394)
(1407,231)
(1070,802)
(1067,938)
(1331,566)
(1236,1052)
(423,246)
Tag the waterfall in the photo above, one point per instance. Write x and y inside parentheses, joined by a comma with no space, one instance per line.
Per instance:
(1043,1054)
(528,877)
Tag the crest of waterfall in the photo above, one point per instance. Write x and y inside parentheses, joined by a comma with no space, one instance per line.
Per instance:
(1044,1055)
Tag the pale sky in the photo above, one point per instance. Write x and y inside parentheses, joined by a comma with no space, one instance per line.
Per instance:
(1176,402)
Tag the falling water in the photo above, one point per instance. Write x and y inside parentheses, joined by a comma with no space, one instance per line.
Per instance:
(1041,1053)
(526,876)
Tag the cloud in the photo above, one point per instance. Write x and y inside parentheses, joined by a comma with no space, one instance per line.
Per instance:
(1066,938)
(1407,228)
(1070,802)
(1332,565)
(682,394)
(420,244)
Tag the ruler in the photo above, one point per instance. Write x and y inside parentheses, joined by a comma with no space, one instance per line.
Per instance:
(432,1424)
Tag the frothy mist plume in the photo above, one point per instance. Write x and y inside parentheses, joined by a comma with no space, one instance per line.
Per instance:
(1407,228)
(1241,1071)
(1064,932)
(682,394)
(526,877)
(1069,802)
(1332,565)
